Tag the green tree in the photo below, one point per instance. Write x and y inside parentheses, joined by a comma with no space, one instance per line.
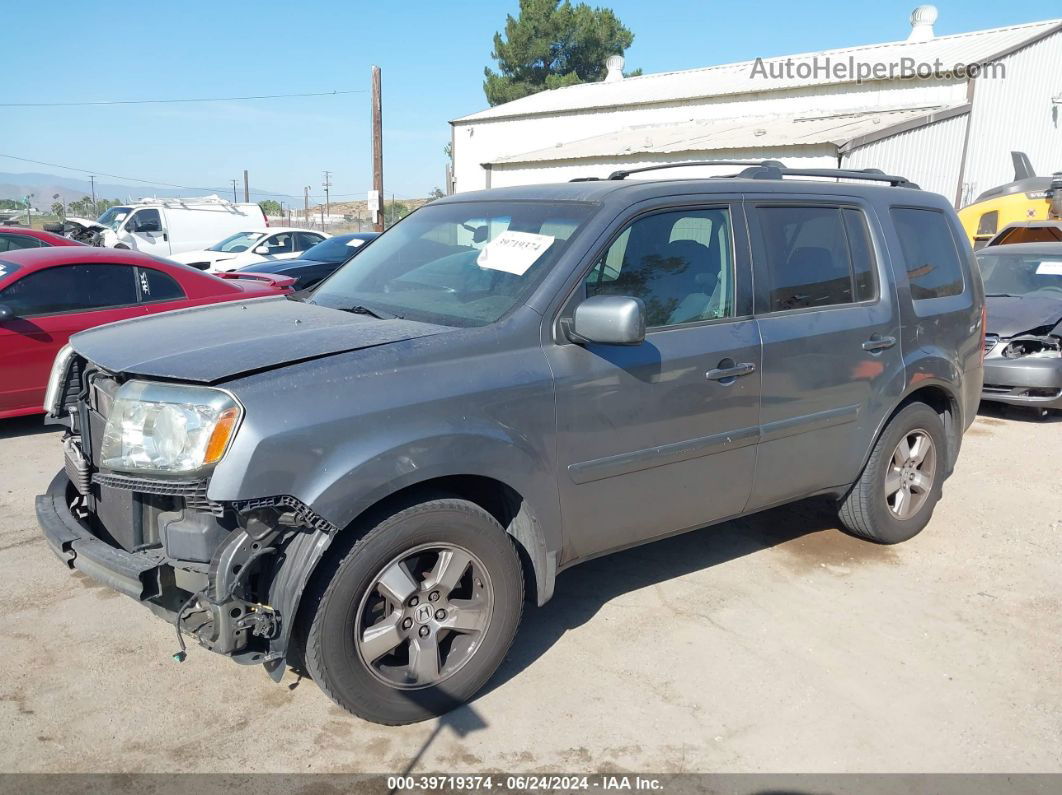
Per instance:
(271,207)
(394,212)
(436,193)
(58,210)
(553,44)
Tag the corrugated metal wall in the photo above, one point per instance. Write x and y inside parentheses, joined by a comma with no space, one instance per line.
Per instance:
(930,155)
(562,171)
(1017,113)
(481,142)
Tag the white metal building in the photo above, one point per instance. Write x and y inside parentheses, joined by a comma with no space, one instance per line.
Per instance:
(943,111)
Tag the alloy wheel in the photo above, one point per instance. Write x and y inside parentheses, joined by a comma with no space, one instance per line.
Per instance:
(910,474)
(424,616)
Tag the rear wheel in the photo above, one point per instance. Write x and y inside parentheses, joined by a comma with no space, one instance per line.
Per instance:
(896,493)
(418,615)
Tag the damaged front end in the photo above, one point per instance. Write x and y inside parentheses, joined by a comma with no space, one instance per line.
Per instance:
(1025,369)
(131,510)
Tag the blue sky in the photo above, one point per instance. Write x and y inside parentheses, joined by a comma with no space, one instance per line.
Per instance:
(432,55)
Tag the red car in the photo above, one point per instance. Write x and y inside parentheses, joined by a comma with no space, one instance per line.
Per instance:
(47,294)
(13,238)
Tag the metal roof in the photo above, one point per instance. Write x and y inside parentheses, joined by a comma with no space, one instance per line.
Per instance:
(844,131)
(976,47)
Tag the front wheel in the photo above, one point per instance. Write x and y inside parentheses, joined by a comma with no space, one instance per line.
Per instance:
(893,499)
(418,615)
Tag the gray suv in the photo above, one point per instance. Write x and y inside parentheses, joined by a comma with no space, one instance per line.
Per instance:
(367,481)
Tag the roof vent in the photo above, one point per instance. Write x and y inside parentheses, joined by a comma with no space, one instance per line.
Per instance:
(614,65)
(922,19)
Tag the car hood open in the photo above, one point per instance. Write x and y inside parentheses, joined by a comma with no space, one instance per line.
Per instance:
(214,343)
(1008,316)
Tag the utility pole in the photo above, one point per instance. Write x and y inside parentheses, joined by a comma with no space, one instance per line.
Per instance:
(92,182)
(377,148)
(306,205)
(327,185)
(233,190)
(246,188)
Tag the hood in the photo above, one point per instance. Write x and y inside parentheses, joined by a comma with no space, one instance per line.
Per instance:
(213,343)
(83,223)
(1008,316)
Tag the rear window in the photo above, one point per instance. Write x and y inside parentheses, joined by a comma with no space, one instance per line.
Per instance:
(929,252)
(1030,234)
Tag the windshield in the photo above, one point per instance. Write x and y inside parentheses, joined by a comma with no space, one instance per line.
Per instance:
(234,244)
(1037,275)
(457,264)
(114,216)
(334,249)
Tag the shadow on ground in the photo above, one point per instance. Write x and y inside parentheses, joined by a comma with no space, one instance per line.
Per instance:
(581,591)
(1005,411)
(33,425)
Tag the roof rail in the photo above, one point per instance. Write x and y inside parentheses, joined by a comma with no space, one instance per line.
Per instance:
(623,174)
(869,174)
(769,169)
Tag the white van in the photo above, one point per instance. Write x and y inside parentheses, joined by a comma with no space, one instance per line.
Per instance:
(170,226)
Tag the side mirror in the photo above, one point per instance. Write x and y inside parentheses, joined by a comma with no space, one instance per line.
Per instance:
(262,250)
(609,320)
(6,313)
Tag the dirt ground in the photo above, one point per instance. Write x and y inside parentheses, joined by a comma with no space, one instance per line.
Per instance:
(770,644)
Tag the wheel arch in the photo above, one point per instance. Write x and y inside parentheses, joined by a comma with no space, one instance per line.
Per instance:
(308,555)
(940,396)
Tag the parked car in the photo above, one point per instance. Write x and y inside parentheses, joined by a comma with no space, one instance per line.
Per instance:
(13,238)
(317,263)
(164,227)
(1023,347)
(252,246)
(47,294)
(1028,232)
(1027,198)
(504,384)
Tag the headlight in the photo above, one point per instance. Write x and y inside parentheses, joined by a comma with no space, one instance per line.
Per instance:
(55,380)
(167,428)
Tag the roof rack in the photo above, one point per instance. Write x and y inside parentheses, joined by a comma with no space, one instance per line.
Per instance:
(623,174)
(869,174)
(769,169)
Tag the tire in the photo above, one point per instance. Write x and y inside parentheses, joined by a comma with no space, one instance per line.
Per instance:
(368,596)
(869,511)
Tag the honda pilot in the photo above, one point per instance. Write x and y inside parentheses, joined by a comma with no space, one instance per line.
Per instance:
(366,481)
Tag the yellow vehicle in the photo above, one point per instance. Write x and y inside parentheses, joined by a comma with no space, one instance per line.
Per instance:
(1027,198)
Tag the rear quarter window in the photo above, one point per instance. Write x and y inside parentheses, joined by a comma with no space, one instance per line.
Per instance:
(931,258)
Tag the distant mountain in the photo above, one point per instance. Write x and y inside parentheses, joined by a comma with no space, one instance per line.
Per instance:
(44,186)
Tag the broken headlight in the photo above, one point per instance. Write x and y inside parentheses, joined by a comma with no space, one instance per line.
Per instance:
(168,429)
(1038,347)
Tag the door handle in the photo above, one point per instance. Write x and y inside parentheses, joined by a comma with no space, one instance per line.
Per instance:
(721,373)
(878,343)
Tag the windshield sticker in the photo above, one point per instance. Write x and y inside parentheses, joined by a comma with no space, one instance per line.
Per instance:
(355,243)
(514,252)
(1049,269)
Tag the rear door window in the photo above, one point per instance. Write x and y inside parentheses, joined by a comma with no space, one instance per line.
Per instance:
(71,288)
(305,240)
(929,253)
(158,286)
(810,261)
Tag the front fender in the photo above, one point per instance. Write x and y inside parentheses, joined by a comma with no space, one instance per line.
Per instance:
(349,487)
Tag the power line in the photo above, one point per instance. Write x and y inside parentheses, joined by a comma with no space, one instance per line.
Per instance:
(168,101)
